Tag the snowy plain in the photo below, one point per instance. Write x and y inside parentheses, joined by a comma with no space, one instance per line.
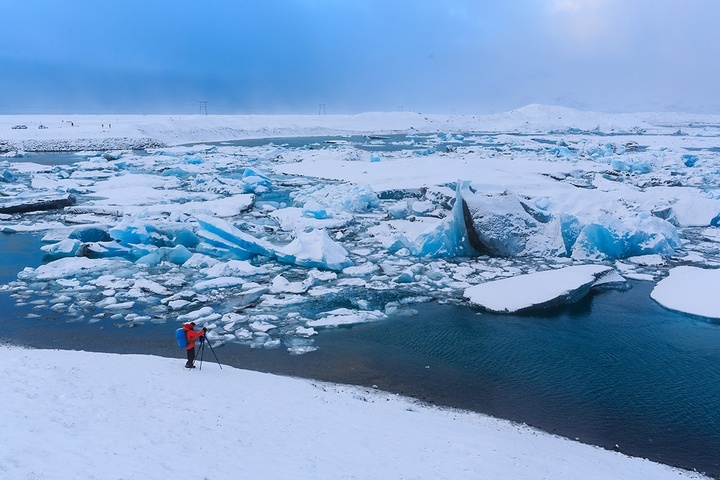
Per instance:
(267,243)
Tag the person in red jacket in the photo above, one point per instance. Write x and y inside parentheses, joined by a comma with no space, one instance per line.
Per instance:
(191,335)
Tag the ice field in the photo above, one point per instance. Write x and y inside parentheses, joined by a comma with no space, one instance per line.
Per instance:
(266,242)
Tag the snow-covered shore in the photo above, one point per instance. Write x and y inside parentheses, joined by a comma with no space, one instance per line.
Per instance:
(69,414)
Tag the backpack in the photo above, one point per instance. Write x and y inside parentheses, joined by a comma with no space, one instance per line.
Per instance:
(181,338)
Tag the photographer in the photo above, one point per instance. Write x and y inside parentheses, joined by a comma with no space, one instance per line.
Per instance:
(191,336)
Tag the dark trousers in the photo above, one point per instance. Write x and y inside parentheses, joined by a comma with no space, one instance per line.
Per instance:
(190,355)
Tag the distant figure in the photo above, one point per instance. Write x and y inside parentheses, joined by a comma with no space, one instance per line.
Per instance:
(191,335)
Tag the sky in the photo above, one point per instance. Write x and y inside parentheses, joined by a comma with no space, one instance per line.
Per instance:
(294,56)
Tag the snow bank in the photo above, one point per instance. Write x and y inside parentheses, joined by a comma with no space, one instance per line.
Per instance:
(690,290)
(537,290)
(73,414)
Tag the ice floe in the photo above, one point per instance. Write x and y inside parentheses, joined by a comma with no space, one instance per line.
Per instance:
(690,290)
(537,290)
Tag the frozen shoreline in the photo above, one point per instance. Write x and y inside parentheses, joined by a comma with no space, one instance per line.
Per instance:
(249,424)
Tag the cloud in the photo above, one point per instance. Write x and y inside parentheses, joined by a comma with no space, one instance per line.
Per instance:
(584,26)
(579,5)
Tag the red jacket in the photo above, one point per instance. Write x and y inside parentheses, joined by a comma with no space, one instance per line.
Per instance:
(191,335)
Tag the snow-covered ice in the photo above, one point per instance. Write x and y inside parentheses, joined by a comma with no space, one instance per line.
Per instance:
(69,414)
(691,290)
(537,290)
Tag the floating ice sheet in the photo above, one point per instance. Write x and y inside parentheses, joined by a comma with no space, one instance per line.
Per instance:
(536,290)
(690,290)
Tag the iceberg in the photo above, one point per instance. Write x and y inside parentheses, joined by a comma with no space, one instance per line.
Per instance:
(314,249)
(282,285)
(177,255)
(217,283)
(222,234)
(36,202)
(635,166)
(105,250)
(64,248)
(296,218)
(692,209)
(604,150)
(440,240)
(501,226)
(132,238)
(151,286)
(255,181)
(71,267)
(690,160)
(613,238)
(506,226)
(91,233)
(339,198)
(314,209)
(345,316)
(398,209)
(537,290)
(446,238)
(203,314)
(690,290)
(231,268)
(509,226)
(309,249)
(425,152)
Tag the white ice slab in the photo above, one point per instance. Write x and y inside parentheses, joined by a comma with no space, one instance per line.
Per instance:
(542,289)
(690,290)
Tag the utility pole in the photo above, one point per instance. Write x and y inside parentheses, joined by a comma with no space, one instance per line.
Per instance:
(203,106)
(321,109)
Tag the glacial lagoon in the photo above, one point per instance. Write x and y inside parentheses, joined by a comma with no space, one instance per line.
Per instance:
(615,370)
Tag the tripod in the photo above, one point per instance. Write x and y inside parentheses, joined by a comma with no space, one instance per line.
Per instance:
(203,341)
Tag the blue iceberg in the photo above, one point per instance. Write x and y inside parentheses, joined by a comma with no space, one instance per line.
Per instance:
(312,248)
(612,238)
